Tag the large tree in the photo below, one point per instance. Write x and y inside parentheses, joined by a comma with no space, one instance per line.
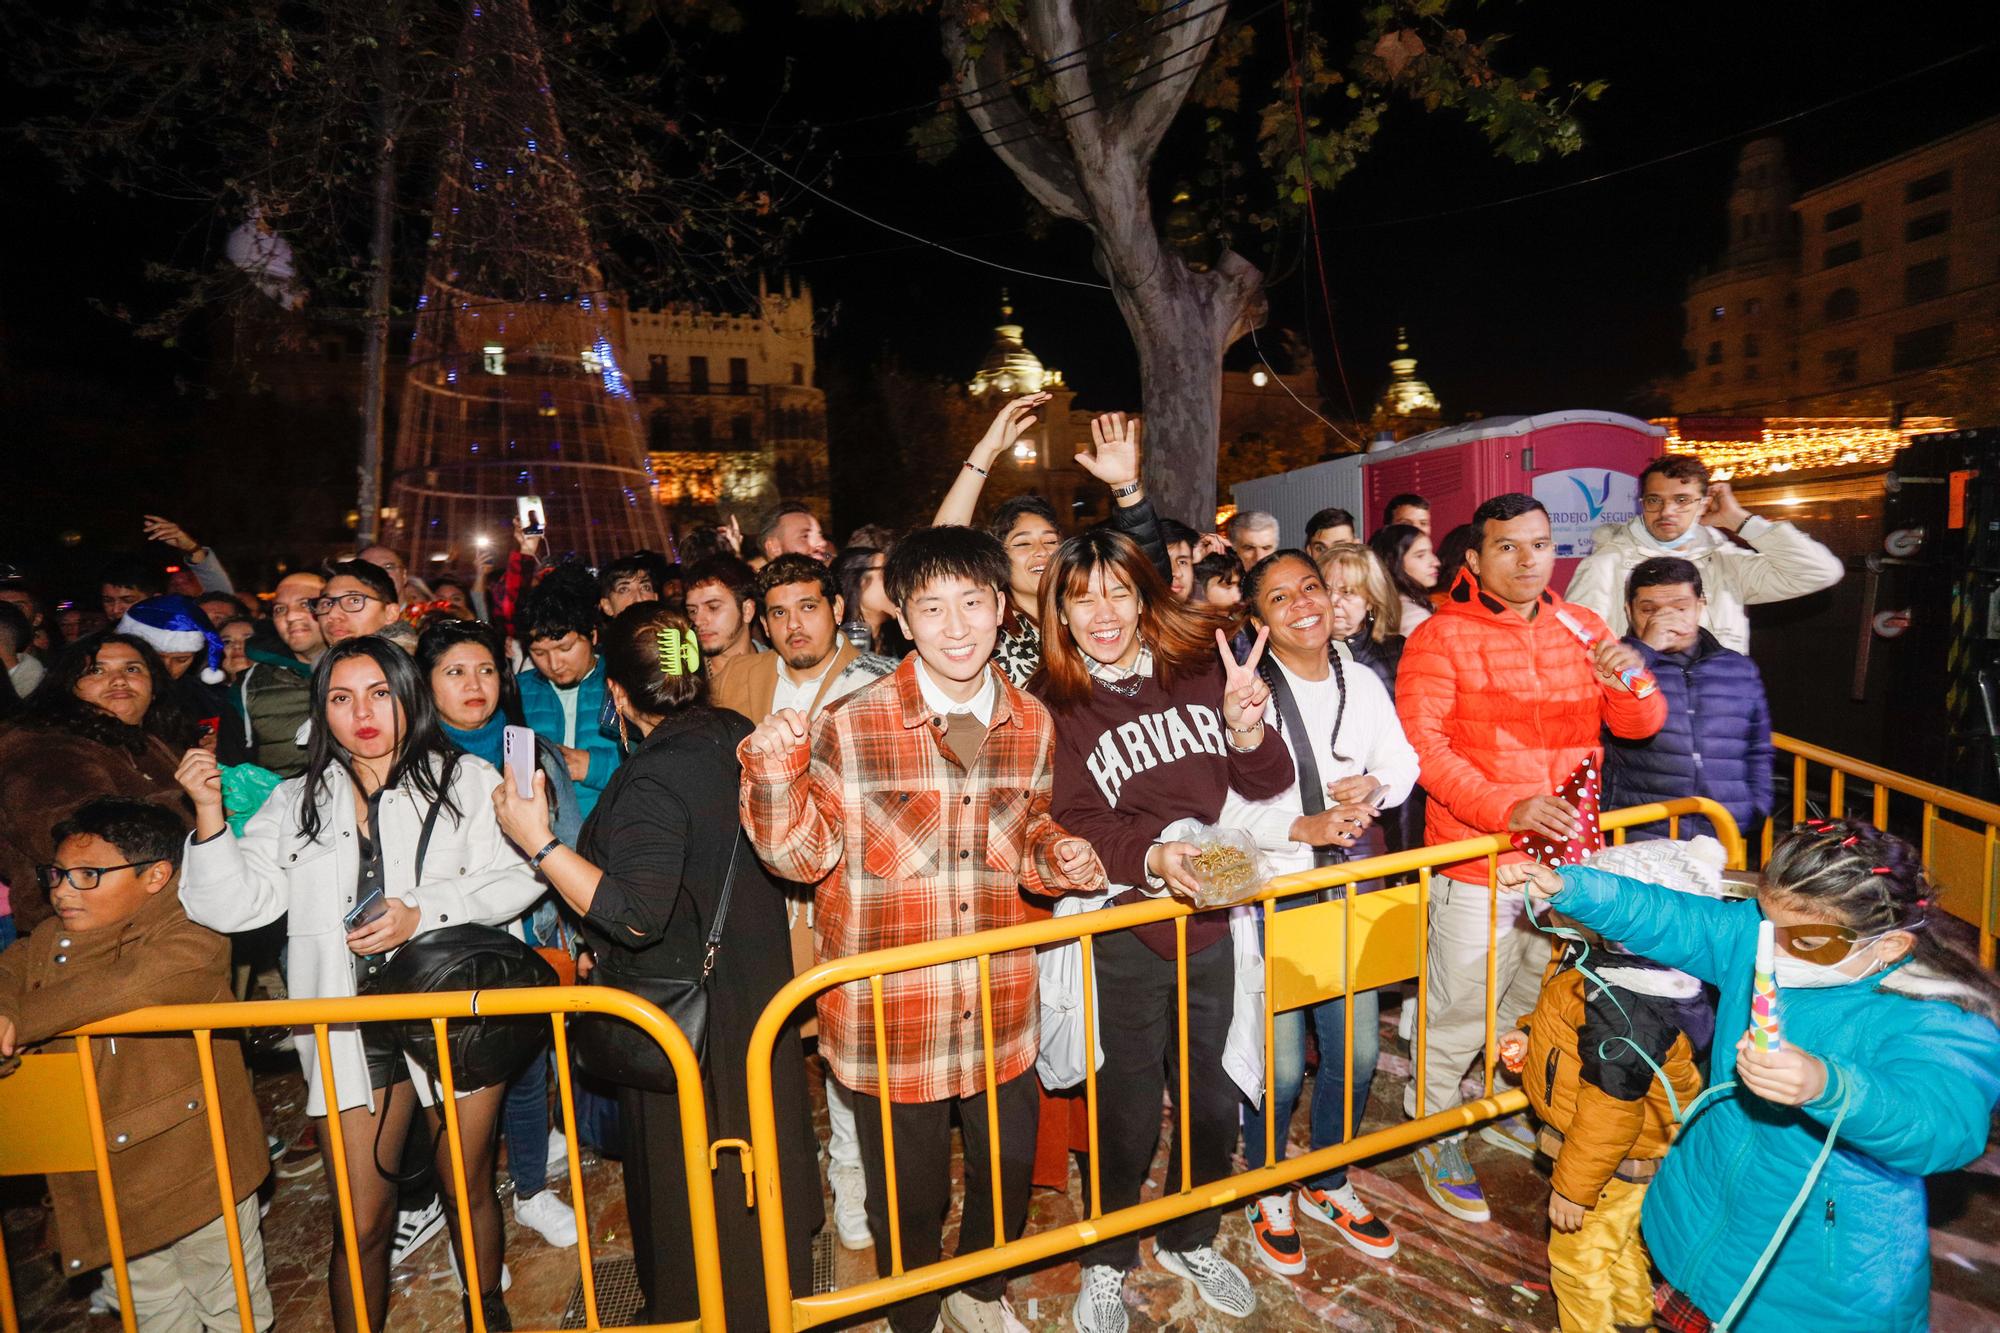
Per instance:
(1078,96)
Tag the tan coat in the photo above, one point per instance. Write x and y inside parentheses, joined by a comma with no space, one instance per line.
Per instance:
(155,1113)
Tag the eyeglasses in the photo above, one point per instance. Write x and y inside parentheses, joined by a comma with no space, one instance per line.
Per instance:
(1680,504)
(1817,943)
(350,602)
(83,877)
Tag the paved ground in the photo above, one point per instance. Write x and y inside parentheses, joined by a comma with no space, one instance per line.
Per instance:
(1448,1275)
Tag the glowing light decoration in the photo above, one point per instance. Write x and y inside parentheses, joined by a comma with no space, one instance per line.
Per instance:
(1734,449)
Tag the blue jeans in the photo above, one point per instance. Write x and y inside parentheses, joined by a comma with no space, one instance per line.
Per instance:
(1288,1068)
(525,1121)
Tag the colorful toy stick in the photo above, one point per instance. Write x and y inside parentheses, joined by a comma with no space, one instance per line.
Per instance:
(1764,994)
(1636,679)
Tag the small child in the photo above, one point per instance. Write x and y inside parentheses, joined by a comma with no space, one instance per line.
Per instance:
(118,942)
(1888,1047)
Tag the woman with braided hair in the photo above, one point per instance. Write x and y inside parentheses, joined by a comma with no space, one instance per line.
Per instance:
(1796,1199)
(647,877)
(1352,763)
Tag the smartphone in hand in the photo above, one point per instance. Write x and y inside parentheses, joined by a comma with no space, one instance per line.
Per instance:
(528,508)
(367,910)
(518,746)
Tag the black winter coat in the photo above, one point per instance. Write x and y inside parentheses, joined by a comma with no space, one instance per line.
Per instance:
(1716,741)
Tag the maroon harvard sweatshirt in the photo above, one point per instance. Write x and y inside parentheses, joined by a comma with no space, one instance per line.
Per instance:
(1128,766)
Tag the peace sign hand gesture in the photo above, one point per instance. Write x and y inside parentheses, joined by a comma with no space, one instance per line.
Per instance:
(1115,437)
(1244,692)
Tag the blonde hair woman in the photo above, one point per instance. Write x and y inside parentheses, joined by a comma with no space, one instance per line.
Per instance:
(1367,616)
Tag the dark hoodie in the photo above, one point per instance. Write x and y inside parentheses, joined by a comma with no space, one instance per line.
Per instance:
(273,699)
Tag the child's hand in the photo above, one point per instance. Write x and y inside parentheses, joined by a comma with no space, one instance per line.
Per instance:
(1565,1216)
(1787,1076)
(1514,1050)
(1536,878)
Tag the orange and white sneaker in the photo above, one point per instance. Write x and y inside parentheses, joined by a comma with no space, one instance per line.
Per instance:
(1278,1247)
(1343,1210)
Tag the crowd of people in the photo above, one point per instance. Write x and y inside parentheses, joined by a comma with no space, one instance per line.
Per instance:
(761,751)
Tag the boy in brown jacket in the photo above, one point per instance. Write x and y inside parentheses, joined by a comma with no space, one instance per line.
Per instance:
(119,941)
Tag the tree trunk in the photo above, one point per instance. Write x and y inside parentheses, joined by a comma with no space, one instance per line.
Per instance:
(375,319)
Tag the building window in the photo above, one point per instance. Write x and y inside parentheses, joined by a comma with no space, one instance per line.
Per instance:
(1927,226)
(656,373)
(739,375)
(1754,306)
(1843,217)
(798,373)
(1844,253)
(1714,352)
(1843,365)
(1750,344)
(1926,281)
(1927,187)
(704,433)
(1750,373)
(739,431)
(697,374)
(1714,313)
(1842,303)
(660,432)
(1922,349)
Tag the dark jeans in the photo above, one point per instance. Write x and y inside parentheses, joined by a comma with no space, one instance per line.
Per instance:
(524,1119)
(1140,1036)
(923,1183)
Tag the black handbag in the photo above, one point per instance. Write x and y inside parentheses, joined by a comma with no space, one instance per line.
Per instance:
(484,1051)
(613,1050)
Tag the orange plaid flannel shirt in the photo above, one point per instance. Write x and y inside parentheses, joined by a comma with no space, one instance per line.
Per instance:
(907,845)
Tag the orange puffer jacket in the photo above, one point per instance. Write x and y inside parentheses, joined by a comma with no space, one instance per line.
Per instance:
(1500,708)
(1599,1131)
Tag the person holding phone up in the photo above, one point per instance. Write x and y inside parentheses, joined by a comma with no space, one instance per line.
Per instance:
(1744,559)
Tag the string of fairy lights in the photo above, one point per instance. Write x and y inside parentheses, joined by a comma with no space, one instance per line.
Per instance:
(1775,445)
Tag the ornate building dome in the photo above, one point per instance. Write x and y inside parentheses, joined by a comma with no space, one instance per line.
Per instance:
(1406,395)
(1010,368)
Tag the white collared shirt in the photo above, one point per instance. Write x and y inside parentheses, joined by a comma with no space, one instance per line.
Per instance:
(979,705)
(800,694)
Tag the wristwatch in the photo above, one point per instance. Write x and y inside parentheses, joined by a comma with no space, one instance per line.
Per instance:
(1120,492)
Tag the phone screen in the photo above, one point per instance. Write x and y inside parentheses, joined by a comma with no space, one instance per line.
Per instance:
(528,508)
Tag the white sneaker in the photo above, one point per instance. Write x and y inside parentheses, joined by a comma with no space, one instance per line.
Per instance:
(965,1314)
(850,1206)
(554,1219)
(1100,1305)
(414,1230)
(558,1154)
(1221,1283)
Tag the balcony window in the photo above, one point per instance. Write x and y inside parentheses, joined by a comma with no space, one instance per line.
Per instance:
(1926,281)
(1842,217)
(697,374)
(1927,187)
(1844,253)
(739,375)
(1922,348)
(1929,225)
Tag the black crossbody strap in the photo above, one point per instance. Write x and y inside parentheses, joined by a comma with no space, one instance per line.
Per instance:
(1312,793)
(431,818)
(714,945)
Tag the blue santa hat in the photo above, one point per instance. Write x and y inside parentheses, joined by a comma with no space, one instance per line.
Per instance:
(176,624)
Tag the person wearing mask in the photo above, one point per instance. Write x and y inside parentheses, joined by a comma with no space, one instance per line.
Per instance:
(1352,763)
(1133,662)
(272,695)
(967,758)
(809,667)
(624,581)
(1717,738)
(793,529)
(1744,559)
(563,694)
(359,598)
(1326,529)
(722,604)
(1413,567)
(378,769)
(1495,654)
(1254,535)
(646,876)
(1409,509)
(104,723)
(465,663)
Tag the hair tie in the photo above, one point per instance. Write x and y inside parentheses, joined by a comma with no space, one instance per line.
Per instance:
(1882,870)
(1850,840)
(680,654)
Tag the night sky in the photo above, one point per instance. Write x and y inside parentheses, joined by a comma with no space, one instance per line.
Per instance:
(1569,299)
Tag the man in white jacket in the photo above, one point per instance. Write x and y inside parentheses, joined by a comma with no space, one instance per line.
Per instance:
(1681,513)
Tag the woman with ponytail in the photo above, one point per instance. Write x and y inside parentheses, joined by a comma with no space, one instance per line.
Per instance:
(1796,1200)
(1352,763)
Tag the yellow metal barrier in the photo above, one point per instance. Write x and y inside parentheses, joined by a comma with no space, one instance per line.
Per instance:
(59,1092)
(1960,859)
(1381,937)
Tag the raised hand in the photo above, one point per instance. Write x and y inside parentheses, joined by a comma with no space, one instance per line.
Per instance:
(530,543)
(200,777)
(1211,543)
(730,534)
(1009,425)
(1243,691)
(166,530)
(1115,438)
(1724,509)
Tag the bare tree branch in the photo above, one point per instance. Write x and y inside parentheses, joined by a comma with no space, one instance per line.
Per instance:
(1047,174)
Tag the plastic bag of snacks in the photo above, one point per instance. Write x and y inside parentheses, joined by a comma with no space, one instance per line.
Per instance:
(1229,868)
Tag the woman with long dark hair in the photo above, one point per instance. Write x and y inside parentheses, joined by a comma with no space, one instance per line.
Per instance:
(1156,722)
(647,875)
(1412,563)
(387,812)
(871,617)
(102,723)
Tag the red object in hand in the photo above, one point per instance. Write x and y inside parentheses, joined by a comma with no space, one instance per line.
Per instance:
(1581,789)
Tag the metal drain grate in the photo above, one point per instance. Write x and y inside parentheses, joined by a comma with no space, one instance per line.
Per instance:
(823,1261)
(618,1295)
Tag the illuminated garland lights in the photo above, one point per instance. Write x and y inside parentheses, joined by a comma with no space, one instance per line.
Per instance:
(1799,444)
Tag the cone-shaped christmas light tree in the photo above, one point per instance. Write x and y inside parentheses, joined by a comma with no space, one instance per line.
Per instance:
(514,386)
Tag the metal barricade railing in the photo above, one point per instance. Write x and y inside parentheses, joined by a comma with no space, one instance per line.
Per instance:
(1960,858)
(78,1082)
(1383,937)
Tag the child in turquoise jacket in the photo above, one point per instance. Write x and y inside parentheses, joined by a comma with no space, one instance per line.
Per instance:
(1885,1032)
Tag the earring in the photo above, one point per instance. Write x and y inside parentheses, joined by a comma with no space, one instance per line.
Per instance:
(624,740)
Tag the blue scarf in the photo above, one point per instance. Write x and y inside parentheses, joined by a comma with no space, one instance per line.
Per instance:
(485,742)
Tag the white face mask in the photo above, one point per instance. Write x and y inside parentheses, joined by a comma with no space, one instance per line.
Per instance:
(1795,973)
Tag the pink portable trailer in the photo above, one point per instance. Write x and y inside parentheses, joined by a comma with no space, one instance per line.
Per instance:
(1583,466)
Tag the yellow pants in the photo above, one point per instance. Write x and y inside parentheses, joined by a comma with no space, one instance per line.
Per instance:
(1600,1272)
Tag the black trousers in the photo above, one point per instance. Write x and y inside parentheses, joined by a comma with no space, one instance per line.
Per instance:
(1140,1036)
(923,1183)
